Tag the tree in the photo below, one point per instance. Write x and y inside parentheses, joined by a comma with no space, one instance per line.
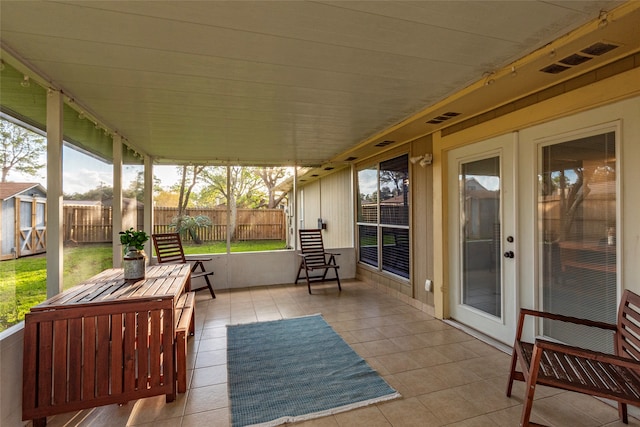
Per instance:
(165,198)
(188,181)
(101,192)
(396,178)
(20,150)
(271,177)
(135,190)
(245,190)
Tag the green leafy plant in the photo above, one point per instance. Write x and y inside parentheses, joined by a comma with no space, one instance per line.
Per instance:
(190,224)
(133,238)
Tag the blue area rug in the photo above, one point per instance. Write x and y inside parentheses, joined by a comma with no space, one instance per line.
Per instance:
(296,369)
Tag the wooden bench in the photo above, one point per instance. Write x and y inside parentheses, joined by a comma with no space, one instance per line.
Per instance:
(615,377)
(104,341)
(90,356)
(185,326)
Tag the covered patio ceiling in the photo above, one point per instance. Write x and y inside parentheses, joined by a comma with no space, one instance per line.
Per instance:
(293,82)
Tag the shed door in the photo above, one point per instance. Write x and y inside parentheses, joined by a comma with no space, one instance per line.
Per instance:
(30,218)
(25,228)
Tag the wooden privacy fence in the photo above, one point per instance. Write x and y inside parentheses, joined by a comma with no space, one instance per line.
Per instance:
(93,224)
(87,224)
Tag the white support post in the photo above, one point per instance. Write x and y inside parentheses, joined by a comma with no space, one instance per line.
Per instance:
(148,202)
(55,219)
(117,200)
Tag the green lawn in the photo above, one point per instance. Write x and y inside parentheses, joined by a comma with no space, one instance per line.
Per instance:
(23,281)
(244,246)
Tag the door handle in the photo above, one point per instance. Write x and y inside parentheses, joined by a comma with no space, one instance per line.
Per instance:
(509,254)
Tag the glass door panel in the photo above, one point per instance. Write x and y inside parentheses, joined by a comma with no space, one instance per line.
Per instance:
(577,205)
(480,232)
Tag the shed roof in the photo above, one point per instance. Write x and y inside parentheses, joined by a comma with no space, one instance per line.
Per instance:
(12,189)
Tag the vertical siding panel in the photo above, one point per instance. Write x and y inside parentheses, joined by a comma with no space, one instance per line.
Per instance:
(337,209)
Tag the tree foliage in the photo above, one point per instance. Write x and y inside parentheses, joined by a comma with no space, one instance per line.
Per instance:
(242,191)
(20,150)
(245,186)
(395,178)
(135,190)
(271,177)
(101,192)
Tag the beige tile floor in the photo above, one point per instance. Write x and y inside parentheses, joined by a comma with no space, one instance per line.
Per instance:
(446,377)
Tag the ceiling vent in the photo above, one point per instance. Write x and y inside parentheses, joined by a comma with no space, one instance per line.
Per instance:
(350,159)
(328,168)
(580,57)
(575,59)
(384,143)
(554,69)
(599,49)
(443,117)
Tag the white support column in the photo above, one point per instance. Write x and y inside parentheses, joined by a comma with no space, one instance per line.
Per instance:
(293,203)
(55,220)
(117,200)
(440,227)
(148,202)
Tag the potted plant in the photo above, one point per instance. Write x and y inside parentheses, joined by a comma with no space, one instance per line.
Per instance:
(134,260)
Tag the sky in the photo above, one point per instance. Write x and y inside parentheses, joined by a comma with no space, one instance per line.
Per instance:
(81,173)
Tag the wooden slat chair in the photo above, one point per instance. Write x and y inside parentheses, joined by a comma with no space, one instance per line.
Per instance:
(315,258)
(169,249)
(615,377)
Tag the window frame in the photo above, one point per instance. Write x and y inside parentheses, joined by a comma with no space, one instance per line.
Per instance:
(382,229)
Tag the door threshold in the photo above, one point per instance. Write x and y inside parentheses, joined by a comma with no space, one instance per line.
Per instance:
(480,336)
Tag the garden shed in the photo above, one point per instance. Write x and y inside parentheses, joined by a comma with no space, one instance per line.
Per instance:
(23,223)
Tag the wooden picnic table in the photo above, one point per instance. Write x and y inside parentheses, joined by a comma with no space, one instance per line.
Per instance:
(104,341)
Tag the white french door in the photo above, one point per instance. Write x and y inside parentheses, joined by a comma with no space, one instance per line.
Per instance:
(482,236)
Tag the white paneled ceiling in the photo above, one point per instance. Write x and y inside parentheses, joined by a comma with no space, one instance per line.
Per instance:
(271,82)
